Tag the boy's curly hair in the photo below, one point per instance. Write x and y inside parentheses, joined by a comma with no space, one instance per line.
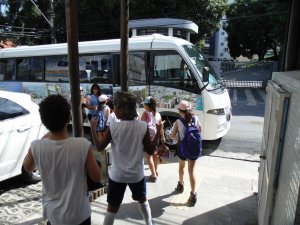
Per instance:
(127,102)
(55,112)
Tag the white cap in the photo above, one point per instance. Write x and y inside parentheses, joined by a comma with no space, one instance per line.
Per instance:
(102,98)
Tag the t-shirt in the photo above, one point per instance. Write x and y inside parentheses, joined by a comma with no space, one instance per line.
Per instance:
(127,151)
(93,101)
(152,120)
(65,198)
(112,118)
(182,128)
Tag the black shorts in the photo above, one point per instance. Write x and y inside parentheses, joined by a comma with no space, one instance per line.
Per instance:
(116,190)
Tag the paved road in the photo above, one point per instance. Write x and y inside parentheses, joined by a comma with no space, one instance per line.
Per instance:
(227,172)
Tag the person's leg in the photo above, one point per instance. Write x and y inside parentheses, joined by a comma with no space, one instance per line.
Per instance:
(191,169)
(151,167)
(115,195)
(180,185)
(155,161)
(193,195)
(138,191)
(181,170)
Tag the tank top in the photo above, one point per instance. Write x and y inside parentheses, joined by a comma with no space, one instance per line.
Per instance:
(61,163)
(127,152)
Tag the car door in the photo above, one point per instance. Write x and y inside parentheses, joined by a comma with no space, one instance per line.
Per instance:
(15,128)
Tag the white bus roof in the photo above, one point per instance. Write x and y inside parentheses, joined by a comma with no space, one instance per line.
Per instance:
(154,41)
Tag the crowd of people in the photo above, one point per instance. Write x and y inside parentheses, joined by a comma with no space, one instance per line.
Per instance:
(66,162)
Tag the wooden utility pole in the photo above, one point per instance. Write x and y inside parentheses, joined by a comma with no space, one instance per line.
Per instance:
(73,56)
(124,44)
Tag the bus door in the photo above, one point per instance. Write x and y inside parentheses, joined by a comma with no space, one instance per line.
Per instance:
(137,75)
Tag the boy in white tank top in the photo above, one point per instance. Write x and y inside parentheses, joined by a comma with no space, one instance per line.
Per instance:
(63,163)
(130,139)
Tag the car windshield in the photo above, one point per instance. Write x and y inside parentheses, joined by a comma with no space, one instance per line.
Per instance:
(199,61)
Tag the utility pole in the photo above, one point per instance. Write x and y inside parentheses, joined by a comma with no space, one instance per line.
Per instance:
(73,55)
(124,44)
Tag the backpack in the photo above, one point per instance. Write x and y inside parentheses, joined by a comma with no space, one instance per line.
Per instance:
(101,122)
(191,145)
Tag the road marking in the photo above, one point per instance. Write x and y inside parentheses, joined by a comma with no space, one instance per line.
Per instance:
(262,94)
(250,97)
(234,100)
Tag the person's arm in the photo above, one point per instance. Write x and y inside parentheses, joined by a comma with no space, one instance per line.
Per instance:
(162,133)
(149,146)
(104,141)
(92,167)
(29,164)
(144,116)
(174,130)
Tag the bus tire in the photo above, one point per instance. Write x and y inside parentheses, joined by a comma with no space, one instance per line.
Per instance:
(32,177)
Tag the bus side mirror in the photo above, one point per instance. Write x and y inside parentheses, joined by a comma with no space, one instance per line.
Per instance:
(205,74)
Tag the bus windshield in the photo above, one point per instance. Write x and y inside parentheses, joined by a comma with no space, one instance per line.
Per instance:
(199,61)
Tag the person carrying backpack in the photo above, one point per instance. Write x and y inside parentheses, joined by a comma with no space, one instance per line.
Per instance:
(188,129)
(102,113)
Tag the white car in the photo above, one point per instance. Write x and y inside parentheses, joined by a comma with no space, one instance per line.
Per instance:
(20,124)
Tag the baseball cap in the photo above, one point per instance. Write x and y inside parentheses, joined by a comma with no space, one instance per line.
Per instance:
(184,105)
(102,98)
(147,100)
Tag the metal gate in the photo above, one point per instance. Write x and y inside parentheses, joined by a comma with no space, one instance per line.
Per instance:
(247,74)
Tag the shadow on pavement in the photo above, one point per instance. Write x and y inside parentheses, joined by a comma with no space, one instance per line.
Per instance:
(157,205)
(236,213)
(12,183)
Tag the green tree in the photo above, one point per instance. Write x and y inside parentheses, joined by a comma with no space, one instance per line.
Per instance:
(205,13)
(254,26)
(100,19)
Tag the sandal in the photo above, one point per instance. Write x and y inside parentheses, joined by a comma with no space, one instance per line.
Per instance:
(152,179)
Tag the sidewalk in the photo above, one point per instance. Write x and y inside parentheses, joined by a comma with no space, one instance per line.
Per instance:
(226,195)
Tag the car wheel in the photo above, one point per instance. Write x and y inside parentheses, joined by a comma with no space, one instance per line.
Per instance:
(32,177)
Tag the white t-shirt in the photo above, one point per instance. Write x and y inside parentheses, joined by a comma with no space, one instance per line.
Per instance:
(181,127)
(127,151)
(112,118)
(152,120)
(65,197)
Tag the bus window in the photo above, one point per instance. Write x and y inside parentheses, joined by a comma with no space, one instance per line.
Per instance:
(170,70)
(7,69)
(95,68)
(30,69)
(137,72)
(56,68)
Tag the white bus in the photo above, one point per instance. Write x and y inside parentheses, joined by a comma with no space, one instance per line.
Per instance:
(168,68)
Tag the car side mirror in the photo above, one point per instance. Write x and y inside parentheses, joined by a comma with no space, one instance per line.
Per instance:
(205,74)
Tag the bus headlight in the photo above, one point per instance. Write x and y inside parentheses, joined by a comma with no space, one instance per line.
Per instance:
(218,112)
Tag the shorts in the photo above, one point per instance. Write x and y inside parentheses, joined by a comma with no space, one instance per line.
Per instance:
(116,190)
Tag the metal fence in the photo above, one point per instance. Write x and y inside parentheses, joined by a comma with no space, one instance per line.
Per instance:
(247,74)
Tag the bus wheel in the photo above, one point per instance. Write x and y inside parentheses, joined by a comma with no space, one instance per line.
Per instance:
(32,177)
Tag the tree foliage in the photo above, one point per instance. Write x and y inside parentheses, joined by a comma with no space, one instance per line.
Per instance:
(255,26)
(100,19)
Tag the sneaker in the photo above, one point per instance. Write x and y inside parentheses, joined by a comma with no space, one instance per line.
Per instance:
(179,188)
(192,199)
